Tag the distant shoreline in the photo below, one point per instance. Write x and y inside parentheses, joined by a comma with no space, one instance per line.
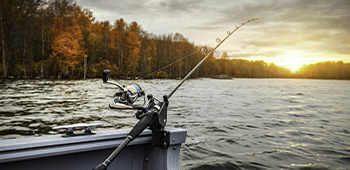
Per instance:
(208,77)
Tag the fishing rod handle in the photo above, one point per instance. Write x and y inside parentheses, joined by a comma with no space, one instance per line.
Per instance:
(135,131)
(142,124)
(118,150)
(107,162)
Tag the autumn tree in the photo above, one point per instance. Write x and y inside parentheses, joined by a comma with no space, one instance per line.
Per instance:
(132,53)
(95,47)
(118,33)
(150,55)
(117,43)
(179,47)
(147,55)
(67,45)
(84,19)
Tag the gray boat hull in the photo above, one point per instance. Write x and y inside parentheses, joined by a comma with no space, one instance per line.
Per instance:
(85,152)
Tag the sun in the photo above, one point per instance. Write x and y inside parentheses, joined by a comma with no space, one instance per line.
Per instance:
(292,60)
(294,63)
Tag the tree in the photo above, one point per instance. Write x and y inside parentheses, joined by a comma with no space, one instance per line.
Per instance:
(224,55)
(119,27)
(179,47)
(149,56)
(223,62)
(132,53)
(84,19)
(115,44)
(16,19)
(67,45)
(4,60)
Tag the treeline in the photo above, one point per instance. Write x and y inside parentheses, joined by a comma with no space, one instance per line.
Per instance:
(58,38)
(260,69)
(248,69)
(325,70)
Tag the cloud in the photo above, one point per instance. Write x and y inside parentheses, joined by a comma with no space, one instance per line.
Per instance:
(288,23)
(283,25)
(181,6)
(111,6)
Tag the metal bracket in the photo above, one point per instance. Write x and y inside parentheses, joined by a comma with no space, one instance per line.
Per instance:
(70,129)
(163,113)
(160,138)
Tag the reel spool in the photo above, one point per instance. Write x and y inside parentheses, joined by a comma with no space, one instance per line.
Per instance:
(124,99)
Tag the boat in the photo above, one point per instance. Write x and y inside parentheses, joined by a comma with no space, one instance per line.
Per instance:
(80,152)
(149,145)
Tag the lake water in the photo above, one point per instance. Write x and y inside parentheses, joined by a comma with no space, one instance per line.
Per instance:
(231,124)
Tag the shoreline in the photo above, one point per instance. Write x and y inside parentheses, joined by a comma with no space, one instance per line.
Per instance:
(177,78)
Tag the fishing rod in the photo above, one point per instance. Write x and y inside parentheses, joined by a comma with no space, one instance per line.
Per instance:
(153,113)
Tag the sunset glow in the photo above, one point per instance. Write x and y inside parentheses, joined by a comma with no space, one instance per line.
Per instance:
(293,60)
(292,63)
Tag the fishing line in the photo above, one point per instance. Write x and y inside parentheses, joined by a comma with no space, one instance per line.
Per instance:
(170,64)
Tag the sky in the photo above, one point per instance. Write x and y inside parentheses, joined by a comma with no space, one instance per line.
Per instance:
(289,33)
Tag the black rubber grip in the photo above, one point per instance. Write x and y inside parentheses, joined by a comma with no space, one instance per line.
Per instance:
(142,124)
(100,167)
(105,75)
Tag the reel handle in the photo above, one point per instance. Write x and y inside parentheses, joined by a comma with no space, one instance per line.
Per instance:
(105,79)
(105,75)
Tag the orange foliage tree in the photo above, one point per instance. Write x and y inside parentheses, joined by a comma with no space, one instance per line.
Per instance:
(67,44)
(150,53)
(117,42)
(132,51)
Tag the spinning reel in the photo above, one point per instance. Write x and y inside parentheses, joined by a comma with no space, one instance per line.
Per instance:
(124,99)
(127,96)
